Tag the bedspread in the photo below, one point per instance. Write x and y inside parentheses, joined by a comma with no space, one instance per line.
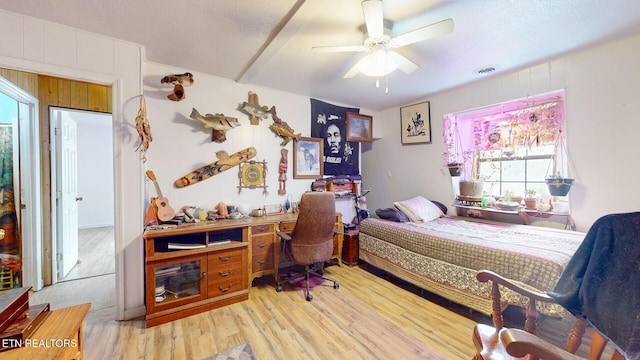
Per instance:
(443,256)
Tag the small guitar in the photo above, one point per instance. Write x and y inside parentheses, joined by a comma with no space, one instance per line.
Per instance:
(164,212)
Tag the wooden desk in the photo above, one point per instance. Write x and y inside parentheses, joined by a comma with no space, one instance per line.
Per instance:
(58,337)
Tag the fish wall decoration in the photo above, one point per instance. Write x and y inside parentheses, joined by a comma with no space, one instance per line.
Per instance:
(282,129)
(254,110)
(179,81)
(218,123)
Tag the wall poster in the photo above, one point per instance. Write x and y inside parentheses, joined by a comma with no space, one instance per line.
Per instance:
(328,122)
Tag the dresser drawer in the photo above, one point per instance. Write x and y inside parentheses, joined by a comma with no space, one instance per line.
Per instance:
(287,227)
(262,229)
(220,271)
(220,258)
(224,286)
(261,262)
(262,244)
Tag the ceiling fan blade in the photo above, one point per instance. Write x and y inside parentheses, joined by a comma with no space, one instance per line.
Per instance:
(372,10)
(404,64)
(346,48)
(427,32)
(352,72)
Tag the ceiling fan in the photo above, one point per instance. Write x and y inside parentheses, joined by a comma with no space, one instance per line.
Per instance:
(381,59)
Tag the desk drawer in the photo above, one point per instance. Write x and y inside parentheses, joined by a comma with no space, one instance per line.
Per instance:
(261,262)
(262,229)
(287,227)
(262,244)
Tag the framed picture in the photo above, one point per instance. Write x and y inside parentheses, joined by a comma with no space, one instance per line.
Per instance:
(415,124)
(359,127)
(308,158)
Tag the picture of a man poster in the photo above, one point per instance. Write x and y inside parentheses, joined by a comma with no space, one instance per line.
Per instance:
(328,122)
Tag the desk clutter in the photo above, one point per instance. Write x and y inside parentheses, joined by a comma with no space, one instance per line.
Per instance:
(19,320)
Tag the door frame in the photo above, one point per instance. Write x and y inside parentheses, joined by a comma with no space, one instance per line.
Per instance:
(29,194)
(117,101)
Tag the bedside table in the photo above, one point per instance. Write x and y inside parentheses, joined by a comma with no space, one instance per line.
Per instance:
(350,247)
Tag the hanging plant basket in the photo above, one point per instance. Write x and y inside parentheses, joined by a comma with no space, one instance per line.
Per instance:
(559,186)
(455,169)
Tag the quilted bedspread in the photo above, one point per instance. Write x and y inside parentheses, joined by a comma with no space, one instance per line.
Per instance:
(443,255)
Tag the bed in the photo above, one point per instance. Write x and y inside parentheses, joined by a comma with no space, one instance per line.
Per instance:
(442,255)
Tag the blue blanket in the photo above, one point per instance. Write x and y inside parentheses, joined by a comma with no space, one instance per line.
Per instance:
(601,283)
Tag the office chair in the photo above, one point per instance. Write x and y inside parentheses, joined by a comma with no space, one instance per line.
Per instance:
(600,286)
(311,240)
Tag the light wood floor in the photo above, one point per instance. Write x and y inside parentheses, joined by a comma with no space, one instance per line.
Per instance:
(96,251)
(369,317)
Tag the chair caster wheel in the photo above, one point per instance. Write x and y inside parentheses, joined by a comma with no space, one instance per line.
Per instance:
(279,288)
(336,285)
(309,297)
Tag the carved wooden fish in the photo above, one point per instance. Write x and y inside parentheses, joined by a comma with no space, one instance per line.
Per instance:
(285,132)
(185,79)
(255,110)
(215,122)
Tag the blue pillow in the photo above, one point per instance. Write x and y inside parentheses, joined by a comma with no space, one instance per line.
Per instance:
(392,214)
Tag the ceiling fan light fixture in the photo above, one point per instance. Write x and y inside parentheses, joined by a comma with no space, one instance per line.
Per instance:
(377,63)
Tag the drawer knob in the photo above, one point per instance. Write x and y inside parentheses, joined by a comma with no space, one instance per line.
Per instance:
(263,261)
(263,244)
(262,227)
(225,258)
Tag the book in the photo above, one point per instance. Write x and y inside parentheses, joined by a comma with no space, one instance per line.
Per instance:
(178,246)
(13,303)
(24,326)
(219,242)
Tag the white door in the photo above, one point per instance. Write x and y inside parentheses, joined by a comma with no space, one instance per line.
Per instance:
(66,192)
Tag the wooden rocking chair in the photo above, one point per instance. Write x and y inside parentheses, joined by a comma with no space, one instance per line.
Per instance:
(498,342)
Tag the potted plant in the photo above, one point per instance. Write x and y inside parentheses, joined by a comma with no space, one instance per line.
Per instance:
(558,184)
(473,186)
(530,199)
(452,157)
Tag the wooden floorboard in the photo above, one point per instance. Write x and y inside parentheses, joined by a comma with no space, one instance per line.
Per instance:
(371,316)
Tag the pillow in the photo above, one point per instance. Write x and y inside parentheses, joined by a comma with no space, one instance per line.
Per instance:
(392,215)
(419,209)
(442,206)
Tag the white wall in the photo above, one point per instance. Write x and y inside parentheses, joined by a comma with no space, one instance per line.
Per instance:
(181,144)
(602,109)
(42,47)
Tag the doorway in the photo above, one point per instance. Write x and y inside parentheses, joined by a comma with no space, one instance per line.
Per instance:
(20,195)
(83,201)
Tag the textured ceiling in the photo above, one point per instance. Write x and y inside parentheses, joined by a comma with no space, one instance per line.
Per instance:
(268,43)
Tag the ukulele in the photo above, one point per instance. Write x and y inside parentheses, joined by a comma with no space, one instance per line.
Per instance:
(164,212)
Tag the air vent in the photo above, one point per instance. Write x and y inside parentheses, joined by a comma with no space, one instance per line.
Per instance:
(486,69)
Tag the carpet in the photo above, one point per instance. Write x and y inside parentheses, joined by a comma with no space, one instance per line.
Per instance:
(240,352)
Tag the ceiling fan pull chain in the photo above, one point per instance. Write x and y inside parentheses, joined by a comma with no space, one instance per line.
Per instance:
(377,82)
(386,89)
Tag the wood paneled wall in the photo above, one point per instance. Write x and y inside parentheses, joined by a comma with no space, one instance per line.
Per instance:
(24,80)
(59,92)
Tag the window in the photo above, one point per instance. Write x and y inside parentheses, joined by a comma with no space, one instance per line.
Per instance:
(526,169)
(510,146)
